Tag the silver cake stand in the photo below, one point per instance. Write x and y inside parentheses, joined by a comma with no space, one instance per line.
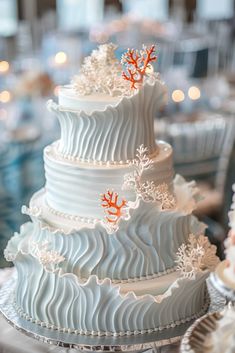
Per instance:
(195,339)
(140,343)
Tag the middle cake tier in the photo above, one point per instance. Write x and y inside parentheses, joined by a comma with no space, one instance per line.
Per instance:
(74,187)
(143,247)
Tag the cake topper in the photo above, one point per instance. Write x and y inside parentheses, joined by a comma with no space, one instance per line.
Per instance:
(112,208)
(196,256)
(101,73)
(136,63)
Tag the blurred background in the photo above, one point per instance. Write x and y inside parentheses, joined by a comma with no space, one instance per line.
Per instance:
(42,45)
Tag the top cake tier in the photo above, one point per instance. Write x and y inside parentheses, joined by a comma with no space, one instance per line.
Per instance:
(100,127)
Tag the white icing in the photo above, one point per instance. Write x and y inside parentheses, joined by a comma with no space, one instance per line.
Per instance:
(69,99)
(112,134)
(75,188)
(55,298)
(143,246)
(56,221)
(109,333)
(72,274)
(151,286)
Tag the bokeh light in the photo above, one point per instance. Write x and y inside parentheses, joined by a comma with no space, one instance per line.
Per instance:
(61,58)
(4,66)
(178,96)
(194,93)
(5,96)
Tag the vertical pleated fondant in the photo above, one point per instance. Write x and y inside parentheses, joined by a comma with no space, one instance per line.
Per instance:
(98,307)
(114,133)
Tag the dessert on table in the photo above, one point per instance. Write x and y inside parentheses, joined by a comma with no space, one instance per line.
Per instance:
(113,247)
(222,339)
(215,332)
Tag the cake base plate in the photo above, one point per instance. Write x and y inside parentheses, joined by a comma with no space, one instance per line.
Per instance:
(140,343)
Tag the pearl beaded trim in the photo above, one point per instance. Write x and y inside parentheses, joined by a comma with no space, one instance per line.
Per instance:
(115,334)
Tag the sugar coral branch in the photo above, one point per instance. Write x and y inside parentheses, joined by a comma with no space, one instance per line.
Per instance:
(148,58)
(136,64)
(112,208)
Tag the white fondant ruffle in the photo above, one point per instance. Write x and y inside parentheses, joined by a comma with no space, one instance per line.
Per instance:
(143,246)
(98,307)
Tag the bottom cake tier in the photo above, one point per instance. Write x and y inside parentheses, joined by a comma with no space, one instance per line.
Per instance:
(59,301)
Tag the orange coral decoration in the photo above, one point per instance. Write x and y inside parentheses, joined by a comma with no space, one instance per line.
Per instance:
(110,202)
(136,64)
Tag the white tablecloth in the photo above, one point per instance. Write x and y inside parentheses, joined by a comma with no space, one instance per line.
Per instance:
(13,341)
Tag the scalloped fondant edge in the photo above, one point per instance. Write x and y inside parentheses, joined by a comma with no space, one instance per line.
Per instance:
(157,80)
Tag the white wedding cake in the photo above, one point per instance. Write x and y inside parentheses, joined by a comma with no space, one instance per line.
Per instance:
(113,247)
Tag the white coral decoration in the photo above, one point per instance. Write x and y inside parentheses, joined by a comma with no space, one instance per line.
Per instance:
(196,256)
(147,191)
(101,72)
(187,194)
(32,211)
(48,258)
(142,161)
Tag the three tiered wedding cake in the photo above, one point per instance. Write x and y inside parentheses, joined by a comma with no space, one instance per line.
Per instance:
(113,247)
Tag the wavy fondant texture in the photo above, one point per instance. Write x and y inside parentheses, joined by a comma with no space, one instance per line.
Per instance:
(75,187)
(58,302)
(144,246)
(115,133)
(56,298)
